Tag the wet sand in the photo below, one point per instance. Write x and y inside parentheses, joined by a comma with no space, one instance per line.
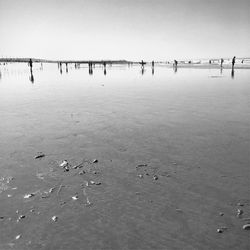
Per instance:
(172,150)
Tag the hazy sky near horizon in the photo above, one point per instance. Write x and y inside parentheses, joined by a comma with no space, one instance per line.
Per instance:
(128,29)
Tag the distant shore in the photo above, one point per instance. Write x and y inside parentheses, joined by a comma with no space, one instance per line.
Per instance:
(241,63)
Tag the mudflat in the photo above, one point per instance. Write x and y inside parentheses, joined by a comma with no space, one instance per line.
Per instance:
(124,160)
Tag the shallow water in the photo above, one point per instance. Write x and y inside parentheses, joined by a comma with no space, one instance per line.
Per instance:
(191,127)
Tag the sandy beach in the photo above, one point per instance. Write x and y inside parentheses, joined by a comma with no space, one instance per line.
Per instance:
(124,161)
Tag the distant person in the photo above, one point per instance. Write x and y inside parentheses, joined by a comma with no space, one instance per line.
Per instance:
(221,62)
(30,63)
(210,61)
(242,61)
(153,63)
(175,63)
(233,62)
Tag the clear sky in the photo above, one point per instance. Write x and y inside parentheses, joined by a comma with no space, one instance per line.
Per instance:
(125,29)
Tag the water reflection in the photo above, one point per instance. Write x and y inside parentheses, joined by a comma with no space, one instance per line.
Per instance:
(142,70)
(232,73)
(31,77)
(90,71)
(31,71)
(60,67)
(67,70)
(153,67)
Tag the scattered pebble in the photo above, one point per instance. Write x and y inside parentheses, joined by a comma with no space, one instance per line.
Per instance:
(18,237)
(9,195)
(142,165)
(40,155)
(66,168)
(239,212)
(219,230)
(54,218)
(140,175)
(82,172)
(95,161)
(21,217)
(51,190)
(240,204)
(155,177)
(75,197)
(221,214)
(246,227)
(78,165)
(64,164)
(32,210)
(26,196)
(94,183)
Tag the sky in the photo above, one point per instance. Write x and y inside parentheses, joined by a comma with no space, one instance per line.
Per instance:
(124,29)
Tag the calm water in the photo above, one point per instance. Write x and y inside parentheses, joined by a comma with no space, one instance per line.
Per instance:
(199,101)
(177,122)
